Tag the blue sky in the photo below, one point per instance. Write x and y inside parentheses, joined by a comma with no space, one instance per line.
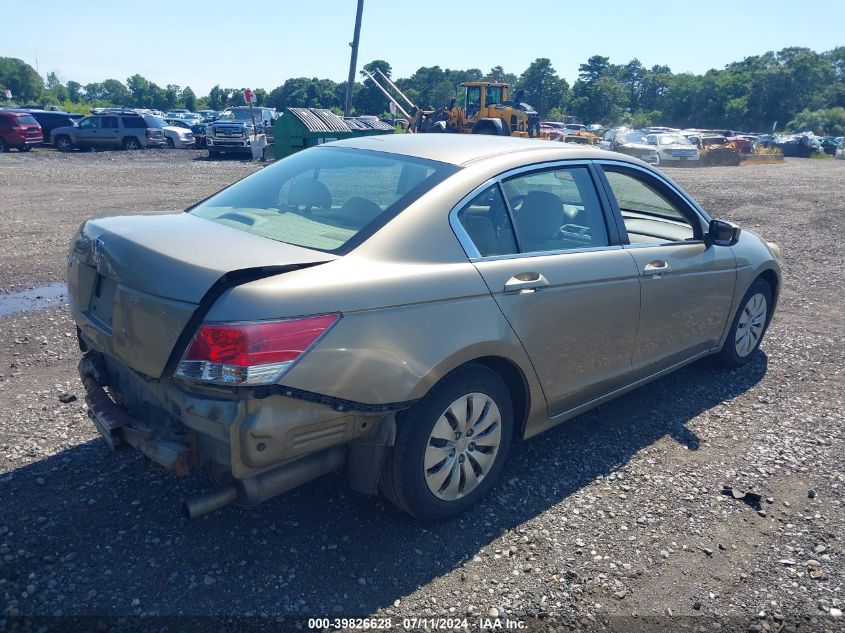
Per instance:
(206,42)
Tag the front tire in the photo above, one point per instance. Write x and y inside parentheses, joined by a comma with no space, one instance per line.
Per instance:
(63,144)
(171,144)
(748,327)
(450,446)
(4,146)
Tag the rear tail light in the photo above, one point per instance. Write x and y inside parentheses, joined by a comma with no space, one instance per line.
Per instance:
(251,353)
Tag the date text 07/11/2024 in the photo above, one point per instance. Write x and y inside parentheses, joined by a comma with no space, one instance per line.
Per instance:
(418,624)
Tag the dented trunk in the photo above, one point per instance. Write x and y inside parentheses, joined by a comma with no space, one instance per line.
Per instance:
(138,285)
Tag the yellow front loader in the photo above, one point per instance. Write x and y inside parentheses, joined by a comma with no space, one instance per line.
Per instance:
(486,110)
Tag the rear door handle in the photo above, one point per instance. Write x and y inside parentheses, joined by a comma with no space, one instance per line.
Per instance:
(655,268)
(525,282)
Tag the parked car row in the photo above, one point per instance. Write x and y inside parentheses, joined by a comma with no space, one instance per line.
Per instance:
(804,144)
(692,145)
(116,128)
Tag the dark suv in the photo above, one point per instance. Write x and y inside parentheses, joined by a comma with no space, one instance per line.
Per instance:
(49,120)
(19,130)
(111,130)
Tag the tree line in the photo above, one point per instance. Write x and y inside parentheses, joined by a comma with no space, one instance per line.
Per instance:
(793,87)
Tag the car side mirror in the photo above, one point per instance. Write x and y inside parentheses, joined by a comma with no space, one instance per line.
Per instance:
(722,233)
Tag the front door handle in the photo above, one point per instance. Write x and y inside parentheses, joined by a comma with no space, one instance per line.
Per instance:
(655,268)
(525,282)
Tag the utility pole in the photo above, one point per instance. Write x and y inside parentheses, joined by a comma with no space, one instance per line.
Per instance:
(354,61)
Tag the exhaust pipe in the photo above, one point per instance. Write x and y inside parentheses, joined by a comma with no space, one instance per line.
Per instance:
(209,502)
(255,490)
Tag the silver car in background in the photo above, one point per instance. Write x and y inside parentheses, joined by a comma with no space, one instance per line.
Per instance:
(674,148)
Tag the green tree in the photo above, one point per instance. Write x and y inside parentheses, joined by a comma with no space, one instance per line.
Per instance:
(631,76)
(93,92)
(829,121)
(189,99)
(172,96)
(653,89)
(139,89)
(371,100)
(115,92)
(21,78)
(498,74)
(55,90)
(74,88)
(598,96)
(594,68)
(543,88)
(425,88)
(215,98)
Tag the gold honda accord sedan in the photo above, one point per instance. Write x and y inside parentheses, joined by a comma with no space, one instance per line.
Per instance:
(402,308)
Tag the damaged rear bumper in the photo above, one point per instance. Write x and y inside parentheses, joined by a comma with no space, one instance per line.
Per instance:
(181,431)
(120,429)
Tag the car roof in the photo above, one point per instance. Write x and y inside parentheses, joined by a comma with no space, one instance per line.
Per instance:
(462,149)
(42,111)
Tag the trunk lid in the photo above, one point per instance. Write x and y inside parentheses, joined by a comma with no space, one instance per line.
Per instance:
(136,282)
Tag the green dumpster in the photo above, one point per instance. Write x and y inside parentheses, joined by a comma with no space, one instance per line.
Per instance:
(299,128)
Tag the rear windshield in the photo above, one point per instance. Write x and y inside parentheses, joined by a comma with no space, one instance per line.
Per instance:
(325,198)
(672,139)
(27,118)
(635,137)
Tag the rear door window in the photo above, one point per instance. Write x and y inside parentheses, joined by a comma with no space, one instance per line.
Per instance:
(556,209)
(133,122)
(109,123)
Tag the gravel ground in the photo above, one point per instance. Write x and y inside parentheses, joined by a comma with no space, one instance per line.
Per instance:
(47,194)
(615,521)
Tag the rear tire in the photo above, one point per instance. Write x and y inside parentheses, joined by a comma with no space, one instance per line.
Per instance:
(4,146)
(132,143)
(748,327)
(24,148)
(450,446)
